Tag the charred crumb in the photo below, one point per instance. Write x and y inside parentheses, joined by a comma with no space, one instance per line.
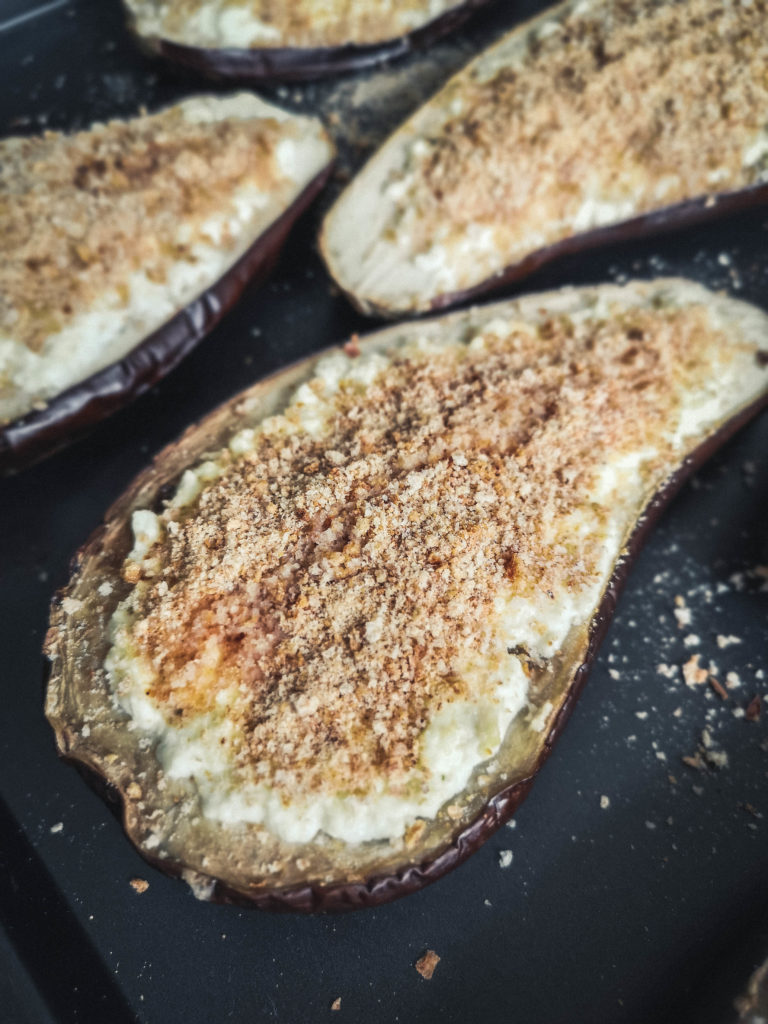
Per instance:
(717,687)
(754,709)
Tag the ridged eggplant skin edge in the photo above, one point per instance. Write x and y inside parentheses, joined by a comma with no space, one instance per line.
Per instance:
(692,212)
(381,889)
(71,413)
(299,64)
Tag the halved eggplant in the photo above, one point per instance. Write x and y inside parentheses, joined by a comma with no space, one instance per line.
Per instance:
(321,647)
(595,122)
(124,245)
(267,41)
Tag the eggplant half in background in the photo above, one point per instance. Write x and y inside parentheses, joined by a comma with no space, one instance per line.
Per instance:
(320,648)
(123,245)
(305,39)
(596,121)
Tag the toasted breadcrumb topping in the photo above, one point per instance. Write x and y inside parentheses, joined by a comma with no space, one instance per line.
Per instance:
(341,584)
(79,213)
(626,106)
(258,23)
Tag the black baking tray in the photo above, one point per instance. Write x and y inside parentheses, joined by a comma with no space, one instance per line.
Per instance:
(648,906)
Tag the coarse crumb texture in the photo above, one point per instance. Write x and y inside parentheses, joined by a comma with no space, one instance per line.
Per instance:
(350,593)
(246,24)
(105,234)
(595,113)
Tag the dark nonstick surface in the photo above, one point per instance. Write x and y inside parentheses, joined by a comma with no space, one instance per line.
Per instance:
(637,887)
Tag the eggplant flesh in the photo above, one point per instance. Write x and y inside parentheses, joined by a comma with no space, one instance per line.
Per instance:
(266,42)
(531,445)
(146,258)
(593,122)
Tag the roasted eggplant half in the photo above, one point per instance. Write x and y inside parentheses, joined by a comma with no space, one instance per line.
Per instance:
(306,39)
(122,246)
(597,121)
(321,647)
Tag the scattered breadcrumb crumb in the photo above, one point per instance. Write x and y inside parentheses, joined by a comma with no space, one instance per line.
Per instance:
(732,680)
(753,709)
(605,802)
(58,827)
(139,884)
(726,641)
(336,1004)
(693,674)
(694,761)
(718,687)
(505,858)
(682,612)
(426,964)
(751,809)
(692,640)
(352,347)
(717,758)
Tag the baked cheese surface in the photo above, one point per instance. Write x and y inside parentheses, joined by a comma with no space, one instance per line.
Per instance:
(243,24)
(107,233)
(336,618)
(594,113)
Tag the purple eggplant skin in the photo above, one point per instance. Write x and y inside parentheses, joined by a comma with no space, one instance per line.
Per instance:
(499,808)
(692,212)
(39,434)
(297,64)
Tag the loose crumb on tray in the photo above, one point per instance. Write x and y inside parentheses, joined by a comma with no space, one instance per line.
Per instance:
(426,964)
